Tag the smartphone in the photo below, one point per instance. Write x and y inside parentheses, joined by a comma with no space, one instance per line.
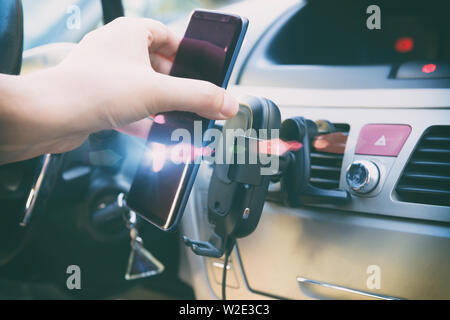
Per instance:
(162,185)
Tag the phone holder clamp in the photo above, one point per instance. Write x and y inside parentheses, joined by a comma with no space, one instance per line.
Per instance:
(237,191)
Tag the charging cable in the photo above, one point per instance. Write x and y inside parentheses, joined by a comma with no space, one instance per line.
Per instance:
(228,249)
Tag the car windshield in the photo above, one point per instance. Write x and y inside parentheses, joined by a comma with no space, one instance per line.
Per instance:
(49,21)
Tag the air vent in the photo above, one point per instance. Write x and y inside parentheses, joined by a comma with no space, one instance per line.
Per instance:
(426,178)
(325,166)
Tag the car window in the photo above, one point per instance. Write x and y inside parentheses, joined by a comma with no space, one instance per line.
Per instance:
(169,10)
(50,21)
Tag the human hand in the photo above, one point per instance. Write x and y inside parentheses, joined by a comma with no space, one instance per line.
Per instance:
(115,76)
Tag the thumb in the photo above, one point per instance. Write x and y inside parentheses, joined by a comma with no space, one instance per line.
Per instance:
(198,96)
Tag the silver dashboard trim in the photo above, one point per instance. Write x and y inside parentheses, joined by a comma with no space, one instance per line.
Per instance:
(34,191)
(302,281)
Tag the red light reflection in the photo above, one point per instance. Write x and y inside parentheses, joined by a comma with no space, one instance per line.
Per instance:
(277,147)
(404,44)
(331,142)
(429,68)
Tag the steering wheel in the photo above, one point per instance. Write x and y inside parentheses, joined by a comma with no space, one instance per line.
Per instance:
(24,183)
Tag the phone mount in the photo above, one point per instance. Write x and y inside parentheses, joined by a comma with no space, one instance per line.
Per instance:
(237,191)
(295,183)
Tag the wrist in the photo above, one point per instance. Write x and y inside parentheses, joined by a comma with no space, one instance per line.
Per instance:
(33,116)
(13,140)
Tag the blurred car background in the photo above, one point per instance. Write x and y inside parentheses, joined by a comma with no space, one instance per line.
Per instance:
(315,59)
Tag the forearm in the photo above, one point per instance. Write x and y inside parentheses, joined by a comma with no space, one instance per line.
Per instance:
(13,140)
(27,116)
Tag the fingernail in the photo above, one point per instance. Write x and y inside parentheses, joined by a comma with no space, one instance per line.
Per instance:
(230,105)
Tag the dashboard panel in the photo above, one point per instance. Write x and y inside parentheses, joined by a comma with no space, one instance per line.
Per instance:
(329,251)
(323,44)
(337,243)
(335,33)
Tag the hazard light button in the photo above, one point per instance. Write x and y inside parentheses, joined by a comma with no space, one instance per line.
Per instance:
(382,139)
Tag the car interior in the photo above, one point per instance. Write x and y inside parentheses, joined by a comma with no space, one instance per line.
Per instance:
(371,100)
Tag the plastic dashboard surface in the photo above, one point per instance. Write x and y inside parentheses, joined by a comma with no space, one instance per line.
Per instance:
(331,244)
(336,244)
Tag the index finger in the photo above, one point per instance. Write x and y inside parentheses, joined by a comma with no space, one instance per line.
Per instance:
(161,40)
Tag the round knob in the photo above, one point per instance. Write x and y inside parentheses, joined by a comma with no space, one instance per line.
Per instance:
(363,176)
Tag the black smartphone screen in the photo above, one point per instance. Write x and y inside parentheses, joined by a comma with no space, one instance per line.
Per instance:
(163,181)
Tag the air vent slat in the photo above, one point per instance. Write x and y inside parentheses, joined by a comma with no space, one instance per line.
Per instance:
(433,150)
(423,190)
(325,166)
(323,155)
(323,183)
(426,177)
(322,180)
(429,163)
(437,139)
(415,175)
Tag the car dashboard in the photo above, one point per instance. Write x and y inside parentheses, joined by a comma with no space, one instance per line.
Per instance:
(400,229)
(386,91)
